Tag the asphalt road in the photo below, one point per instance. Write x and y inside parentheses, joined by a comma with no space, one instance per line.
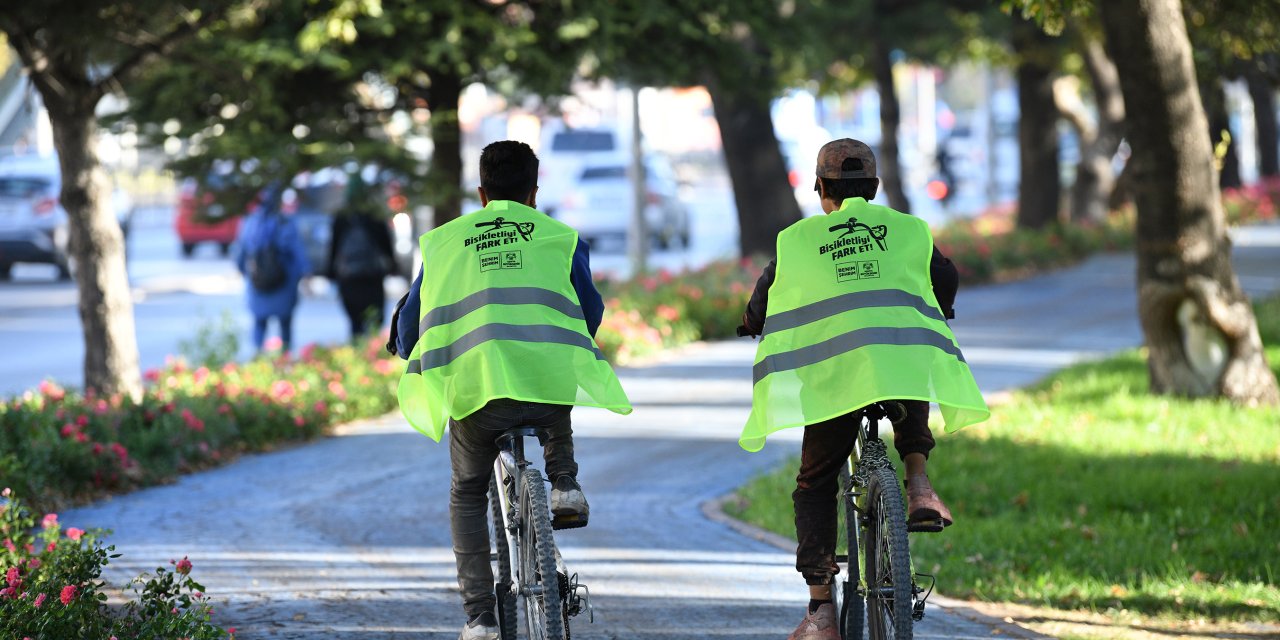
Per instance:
(348,537)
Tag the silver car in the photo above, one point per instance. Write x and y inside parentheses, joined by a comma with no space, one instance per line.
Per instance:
(599,205)
(33,224)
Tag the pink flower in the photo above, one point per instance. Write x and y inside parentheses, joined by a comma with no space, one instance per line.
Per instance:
(6,493)
(68,430)
(224,409)
(183,566)
(39,601)
(51,547)
(33,564)
(97,448)
(68,594)
(52,391)
(336,389)
(82,437)
(273,343)
(151,375)
(50,521)
(75,534)
(120,451)
(384,367)
(299,421)
(11,576)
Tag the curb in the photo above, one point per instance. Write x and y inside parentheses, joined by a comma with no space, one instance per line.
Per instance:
(714,510)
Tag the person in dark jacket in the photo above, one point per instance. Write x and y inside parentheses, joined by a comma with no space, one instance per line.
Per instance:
(827,445)
(360,258)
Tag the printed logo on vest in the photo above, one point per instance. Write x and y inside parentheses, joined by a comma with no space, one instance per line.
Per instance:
(857,270)
(856,237)
(501,260)
(500,231)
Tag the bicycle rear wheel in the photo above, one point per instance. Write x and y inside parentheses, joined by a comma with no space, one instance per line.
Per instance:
(539,585)
(888,560)
(502,575)
(852,608)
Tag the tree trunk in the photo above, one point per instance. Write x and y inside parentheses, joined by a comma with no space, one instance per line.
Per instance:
(1201,335)
(445,172)
(765,200)
(1095,177)
(97,247)
(1221,140)
(1039,189)
(1264,114)
(888,163)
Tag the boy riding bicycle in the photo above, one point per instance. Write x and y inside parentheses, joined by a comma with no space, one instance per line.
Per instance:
(498,330)
(853,311)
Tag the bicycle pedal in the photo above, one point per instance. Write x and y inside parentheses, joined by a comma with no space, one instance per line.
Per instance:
(926,526)
(559,523)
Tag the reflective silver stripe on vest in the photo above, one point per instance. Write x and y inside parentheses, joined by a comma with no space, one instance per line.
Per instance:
(499,295)
(442,356)
(847,342)
(847,302)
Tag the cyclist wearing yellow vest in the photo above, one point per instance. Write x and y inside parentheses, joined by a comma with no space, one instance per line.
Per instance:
(853,312)
(498,330)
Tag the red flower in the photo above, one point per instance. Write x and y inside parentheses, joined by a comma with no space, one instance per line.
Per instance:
(183,566)
(68,594)
(39,601)
(151,375)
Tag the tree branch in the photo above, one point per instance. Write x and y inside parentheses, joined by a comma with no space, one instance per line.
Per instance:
(156,47)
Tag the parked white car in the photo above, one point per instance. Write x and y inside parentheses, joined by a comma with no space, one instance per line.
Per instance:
(562,155)
(33,224)
(599,205)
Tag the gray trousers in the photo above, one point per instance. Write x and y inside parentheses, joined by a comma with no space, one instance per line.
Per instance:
(472,450)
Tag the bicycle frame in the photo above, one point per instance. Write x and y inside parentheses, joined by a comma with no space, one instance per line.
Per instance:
(507,469)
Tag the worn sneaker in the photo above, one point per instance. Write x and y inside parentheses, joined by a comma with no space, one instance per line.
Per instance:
(925,510)
(569,508)
(483,627)
(819,625)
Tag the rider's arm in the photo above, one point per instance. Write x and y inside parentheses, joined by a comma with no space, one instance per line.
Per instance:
(588,297)
(753,317)
(406,319)
(946,281)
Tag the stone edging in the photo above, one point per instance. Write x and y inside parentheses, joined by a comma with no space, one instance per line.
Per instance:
(714,510)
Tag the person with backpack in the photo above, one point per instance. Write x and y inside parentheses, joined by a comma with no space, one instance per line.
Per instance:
(360,258)
(273,260)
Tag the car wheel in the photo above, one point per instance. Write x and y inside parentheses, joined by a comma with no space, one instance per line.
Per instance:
(188,248)
(6,271)
(225,249)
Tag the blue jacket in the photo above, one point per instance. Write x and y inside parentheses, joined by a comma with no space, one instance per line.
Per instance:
(255,230)
(579,277)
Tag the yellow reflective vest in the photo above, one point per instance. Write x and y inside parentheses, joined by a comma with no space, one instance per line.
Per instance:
(500,319)
(852,320)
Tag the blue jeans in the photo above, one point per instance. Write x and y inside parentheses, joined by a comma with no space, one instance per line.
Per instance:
(260,331)
(472,450)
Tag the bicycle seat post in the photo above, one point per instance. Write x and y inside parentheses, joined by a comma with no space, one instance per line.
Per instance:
(513,440)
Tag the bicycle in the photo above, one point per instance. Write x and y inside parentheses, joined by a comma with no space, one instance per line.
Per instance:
(875,520)
(529,566)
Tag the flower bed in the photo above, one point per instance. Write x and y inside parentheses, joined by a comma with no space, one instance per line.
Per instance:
(52,588)
(59,447)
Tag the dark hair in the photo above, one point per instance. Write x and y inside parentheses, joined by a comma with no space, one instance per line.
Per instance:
(508,170)
(839,190)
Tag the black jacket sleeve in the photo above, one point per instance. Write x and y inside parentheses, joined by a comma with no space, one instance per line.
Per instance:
(946,281)
(753,317)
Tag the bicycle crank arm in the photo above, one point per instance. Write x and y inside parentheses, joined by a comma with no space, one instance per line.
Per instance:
(917,609)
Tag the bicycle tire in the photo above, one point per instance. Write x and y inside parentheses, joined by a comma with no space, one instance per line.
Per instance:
(543,610)
(507,606)
(888,560)
(852,608)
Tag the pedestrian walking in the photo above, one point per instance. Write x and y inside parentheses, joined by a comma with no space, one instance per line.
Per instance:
(272,258)
(360,257)
(498,329)
(852,312)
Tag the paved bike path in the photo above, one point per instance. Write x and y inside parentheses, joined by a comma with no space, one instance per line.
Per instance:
(348,537)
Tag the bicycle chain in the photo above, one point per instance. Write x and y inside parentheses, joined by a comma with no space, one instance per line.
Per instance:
(874,456)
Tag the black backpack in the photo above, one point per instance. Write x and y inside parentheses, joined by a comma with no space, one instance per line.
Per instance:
(358,256)
(265,265)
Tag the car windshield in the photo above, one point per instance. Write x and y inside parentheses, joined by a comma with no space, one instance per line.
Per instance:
(582,141)
(600,173)
(22,187)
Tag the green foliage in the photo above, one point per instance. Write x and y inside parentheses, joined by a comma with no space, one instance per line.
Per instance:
(59,447)
(214,343)
(52,587)
(1087,492)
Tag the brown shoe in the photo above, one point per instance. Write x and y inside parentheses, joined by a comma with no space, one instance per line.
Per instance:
(925,511)
(819,625)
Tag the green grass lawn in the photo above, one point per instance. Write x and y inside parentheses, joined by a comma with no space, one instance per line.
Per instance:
(1084,492)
